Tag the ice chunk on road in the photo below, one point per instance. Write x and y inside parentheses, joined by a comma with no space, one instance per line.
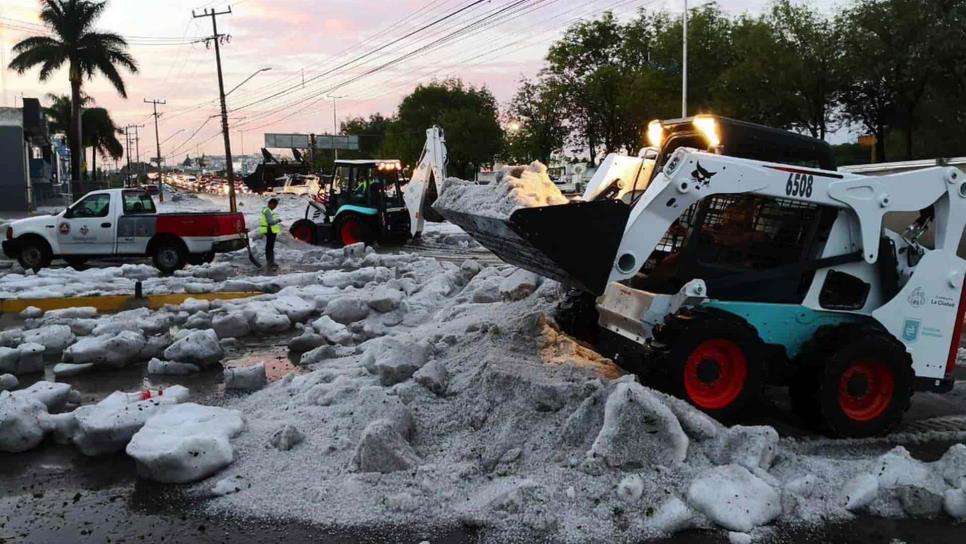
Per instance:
(8,382)
(269,322)
(296,309)
(306,341)
(231,325)
(172,368)
(66,370)
(638,430)
(185,442)
(383,449)
(20,422)
(246,378)
(108,350)
(54,396)
(859,492)
(286,438)
(334,332)
(434,377)
(383,299)
(394,359)
(54,338)
(25,359)
(347,309)
(31,312)
(750,447)
(954,503)
(199,347)
(952,465)
(193,305)
(519,285)
(734,498)
(229,485)
(108,426)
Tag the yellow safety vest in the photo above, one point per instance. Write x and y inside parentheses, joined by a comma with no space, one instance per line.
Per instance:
(264,227)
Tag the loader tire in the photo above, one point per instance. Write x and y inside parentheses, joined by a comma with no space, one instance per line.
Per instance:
(866,386)
(305,231)
(577,316)
(712,359)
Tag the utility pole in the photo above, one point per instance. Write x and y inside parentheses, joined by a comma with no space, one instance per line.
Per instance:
(335,127)
(127,155)
(216,38)
(157,141)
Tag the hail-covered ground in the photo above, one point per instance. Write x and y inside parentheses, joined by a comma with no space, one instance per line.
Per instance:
(429,393)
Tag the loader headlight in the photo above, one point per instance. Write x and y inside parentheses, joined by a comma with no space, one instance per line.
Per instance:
(708,127)
(655,134)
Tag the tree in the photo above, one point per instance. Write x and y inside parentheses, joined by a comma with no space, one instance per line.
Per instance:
(889,49)
(467,114)
(59,111)
(100,134)
(187,161)
(537,127)
(84,50)
(371,133)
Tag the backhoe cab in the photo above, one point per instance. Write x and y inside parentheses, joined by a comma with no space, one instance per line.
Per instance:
(728,255)
(362,202)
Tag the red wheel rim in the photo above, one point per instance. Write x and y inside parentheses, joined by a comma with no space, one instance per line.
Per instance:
(302,233)
(715,374)
(351,232)
(866,389)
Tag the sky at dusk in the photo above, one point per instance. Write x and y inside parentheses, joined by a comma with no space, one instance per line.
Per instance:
(310,39)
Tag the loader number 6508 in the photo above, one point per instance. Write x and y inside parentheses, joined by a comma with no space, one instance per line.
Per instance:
(799,185)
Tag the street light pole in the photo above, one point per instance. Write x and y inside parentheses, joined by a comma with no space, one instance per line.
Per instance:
(684,63)
(157,141)
(335,127)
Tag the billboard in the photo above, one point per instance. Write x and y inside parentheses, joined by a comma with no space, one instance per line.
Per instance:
(301,141)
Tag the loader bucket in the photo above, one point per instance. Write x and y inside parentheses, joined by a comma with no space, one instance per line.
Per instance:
(574,243)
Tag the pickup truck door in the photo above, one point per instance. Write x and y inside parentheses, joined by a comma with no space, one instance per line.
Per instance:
(136,222)
(87,227)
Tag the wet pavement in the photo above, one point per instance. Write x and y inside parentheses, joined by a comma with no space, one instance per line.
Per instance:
(55,494)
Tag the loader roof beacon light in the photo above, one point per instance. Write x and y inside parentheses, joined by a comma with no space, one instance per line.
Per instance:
(655,134)
(708,127)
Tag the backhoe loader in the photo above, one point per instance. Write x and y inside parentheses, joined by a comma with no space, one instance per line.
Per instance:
(728,255)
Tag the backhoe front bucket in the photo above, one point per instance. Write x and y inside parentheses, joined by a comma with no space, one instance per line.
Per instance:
(574,243)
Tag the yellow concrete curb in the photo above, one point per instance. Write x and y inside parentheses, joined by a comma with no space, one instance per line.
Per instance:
(115,303)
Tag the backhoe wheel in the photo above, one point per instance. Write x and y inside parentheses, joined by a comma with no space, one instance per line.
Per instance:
(34,255)
(352,229)
(866,385)
(711,359)
(169,257)
(305,231)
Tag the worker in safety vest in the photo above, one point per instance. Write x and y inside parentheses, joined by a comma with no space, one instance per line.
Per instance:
(270,226)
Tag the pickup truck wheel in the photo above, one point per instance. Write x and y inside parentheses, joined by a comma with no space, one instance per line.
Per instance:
(34,255)
(169,257)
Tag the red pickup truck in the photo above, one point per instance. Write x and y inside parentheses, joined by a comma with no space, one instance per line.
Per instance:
(123,223)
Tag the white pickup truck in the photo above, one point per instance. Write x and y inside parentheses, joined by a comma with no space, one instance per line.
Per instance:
(123,222)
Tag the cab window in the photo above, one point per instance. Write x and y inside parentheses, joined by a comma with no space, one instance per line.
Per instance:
(136,202)
(91,206)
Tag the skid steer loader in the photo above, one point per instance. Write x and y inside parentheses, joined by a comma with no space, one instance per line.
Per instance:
(728,255)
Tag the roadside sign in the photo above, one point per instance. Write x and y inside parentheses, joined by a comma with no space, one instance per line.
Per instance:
(301,141)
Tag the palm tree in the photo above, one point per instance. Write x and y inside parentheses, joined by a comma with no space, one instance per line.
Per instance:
(85,51)
(100,134)
(58,112)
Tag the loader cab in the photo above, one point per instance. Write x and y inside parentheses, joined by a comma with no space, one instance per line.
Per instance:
(734,138)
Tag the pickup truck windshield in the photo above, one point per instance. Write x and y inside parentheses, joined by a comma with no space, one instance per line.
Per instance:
(137,202)
(91,206)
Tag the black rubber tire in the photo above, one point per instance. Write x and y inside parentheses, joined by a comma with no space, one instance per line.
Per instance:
(803,387)
(365,233)
(77,263)
(307,226)
(577,316)
(34,254)
(867,345)
(677,339)
(169,257)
